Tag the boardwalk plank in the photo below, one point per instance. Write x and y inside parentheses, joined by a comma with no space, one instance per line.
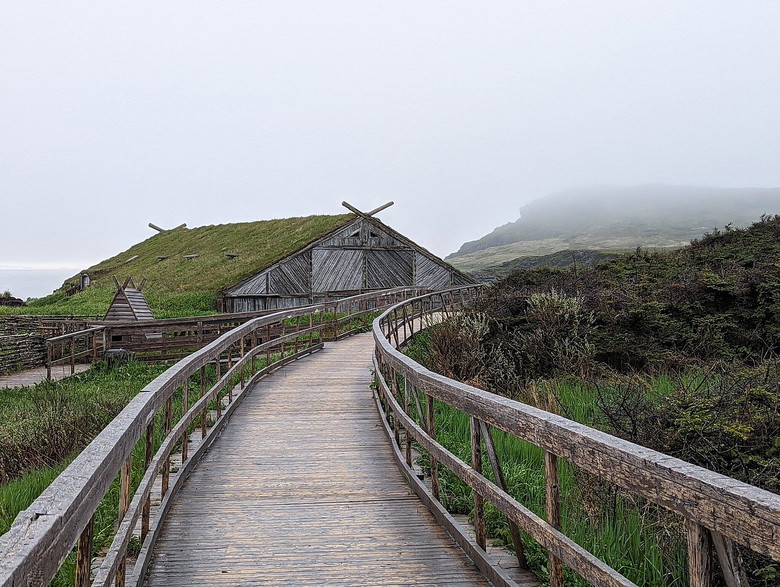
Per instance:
(302,489)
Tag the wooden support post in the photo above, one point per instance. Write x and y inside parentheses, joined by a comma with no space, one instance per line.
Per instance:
(699,555)
(203,414)
(84,554)
(495,464)
(432,433)
(476,464)
(166,467)
(72,355)
(252,360)
(48,360)
(148,455)
(730,563)
(93,336)
(124,504)
(407,436)
(422,420)
(553,513)
(185,406)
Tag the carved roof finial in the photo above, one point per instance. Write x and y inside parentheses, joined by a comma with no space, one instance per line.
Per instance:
(351,208)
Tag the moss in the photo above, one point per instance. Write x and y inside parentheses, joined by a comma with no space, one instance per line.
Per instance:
(177,286)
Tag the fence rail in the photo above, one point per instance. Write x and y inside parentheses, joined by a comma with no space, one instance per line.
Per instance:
(41,536)
(717,509)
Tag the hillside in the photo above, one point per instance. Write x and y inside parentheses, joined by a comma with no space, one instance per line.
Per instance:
(657,216)
(178,286)
(560,259)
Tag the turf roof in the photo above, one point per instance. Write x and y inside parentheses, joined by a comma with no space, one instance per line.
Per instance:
(180,286)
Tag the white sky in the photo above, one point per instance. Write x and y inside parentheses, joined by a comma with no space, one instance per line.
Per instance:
(116,114)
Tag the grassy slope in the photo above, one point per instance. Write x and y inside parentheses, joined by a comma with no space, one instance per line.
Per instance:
(560,259)
(177,286)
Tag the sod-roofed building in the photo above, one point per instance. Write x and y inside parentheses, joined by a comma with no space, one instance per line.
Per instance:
(361,255)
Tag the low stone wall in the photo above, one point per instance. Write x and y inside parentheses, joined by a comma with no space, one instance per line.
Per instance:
(21,351)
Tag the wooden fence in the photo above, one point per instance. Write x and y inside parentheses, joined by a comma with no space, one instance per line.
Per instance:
(41,537)
(163,340)
(717,510)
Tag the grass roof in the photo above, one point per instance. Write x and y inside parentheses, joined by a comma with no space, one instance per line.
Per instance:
(177,286)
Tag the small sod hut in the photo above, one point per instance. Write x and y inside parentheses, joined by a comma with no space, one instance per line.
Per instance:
(129,304)
(362,255)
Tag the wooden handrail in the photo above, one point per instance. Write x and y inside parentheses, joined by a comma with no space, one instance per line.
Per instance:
(41,536)
(716,507)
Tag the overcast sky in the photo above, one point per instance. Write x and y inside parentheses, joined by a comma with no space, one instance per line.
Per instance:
(116,114)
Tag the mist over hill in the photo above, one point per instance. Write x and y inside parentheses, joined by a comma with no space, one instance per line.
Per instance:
(618,218)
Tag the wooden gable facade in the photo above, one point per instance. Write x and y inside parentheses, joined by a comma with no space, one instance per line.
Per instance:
(361,256)
(129,304)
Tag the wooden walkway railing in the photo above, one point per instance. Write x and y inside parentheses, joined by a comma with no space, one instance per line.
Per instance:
(40,538)
(717,509)
(162,340)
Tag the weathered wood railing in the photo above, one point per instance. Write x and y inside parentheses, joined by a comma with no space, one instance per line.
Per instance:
(152,340)
(72,347)
(40,538)
(717,509)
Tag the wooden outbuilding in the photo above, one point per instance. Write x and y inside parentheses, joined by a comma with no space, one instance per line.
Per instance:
(129,304)
(363,255)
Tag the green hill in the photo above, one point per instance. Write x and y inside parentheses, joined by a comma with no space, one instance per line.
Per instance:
(608,218)
(176,286)
(560,259)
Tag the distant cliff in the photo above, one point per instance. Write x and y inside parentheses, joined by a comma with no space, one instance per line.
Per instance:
(618,218)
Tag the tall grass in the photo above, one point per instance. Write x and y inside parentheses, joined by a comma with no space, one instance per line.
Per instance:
(620,530)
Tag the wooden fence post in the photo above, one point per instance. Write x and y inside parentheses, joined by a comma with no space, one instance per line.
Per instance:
(553,513)
(185,406)
(476,464)
(148,455)
(699,555)
(407,436)
(432,433)
(166,467)
(204,413)
(514,531)
(124,504)
(84,554)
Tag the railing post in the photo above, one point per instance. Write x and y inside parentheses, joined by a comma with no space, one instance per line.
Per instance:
(408,437)
(476,464)
(553,513)
(203,414)
(72,355)
(124,504)
(699,555)
(432,433)
(166,467)
(514,531)
(48,360)
(185,406)
(148,455)
(84,554)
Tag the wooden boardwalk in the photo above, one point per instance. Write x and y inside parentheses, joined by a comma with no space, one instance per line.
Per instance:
(33,376)
(302,489)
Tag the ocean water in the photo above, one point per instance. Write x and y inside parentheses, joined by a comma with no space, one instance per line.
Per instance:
(33,283)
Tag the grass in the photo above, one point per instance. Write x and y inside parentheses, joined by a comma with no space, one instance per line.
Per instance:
(639,540)
(614,527)
(179,287)
(42,425)
(81,395)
